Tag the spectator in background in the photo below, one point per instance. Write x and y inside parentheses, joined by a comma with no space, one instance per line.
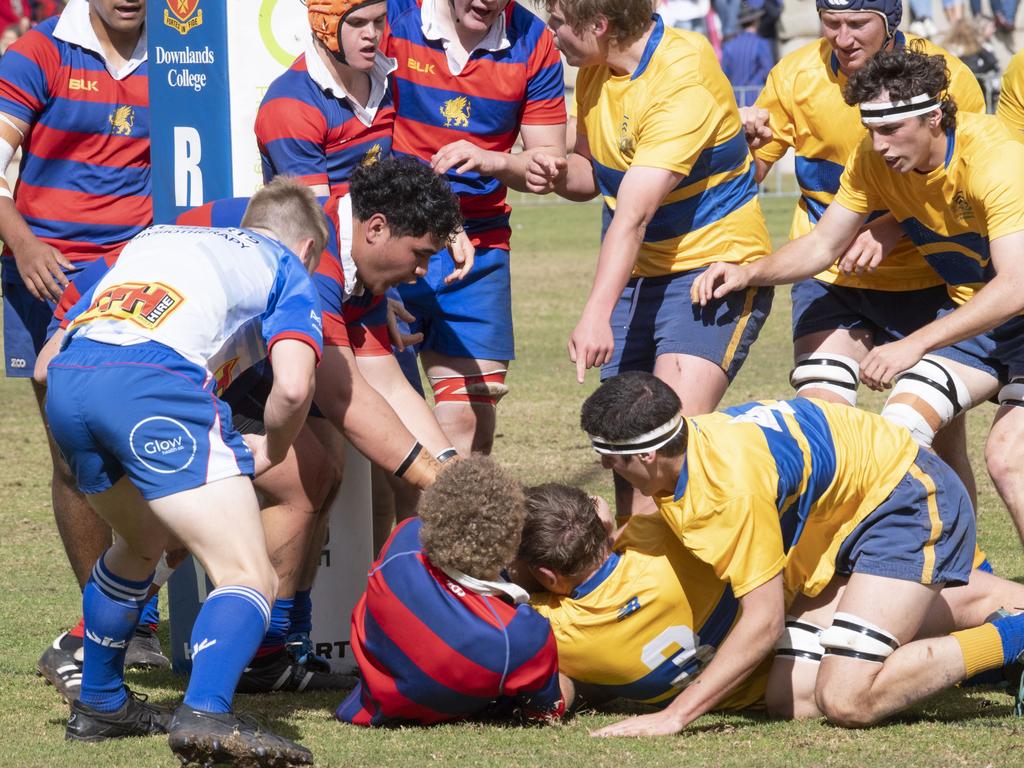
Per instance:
(44,9)
(921,15)
(11,33)
(747,58)
(692,15)
(967,40)
(15,12)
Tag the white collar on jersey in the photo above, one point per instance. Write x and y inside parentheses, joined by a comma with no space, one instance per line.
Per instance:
(74,27)
(322,76)
(499,588)
(434,29)
(353,286)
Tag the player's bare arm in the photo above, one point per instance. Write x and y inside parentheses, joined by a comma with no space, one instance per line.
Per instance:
(757,132)
(294,366)
(641,192)
(41,266)
(873,243)
(571,177)
(747,644)
(797,260)
(357,410)
(995,303)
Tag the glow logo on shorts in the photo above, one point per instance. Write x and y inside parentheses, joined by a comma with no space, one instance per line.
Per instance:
(162,444)
(145,304)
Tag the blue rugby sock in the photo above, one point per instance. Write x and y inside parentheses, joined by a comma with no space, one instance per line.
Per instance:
(280,626)
(227,632)
(151,611)
(302,612)
(1011,632)
(111,607)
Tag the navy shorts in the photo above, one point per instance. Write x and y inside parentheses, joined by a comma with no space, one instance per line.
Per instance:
(654,316)
(924,531)
(143,411)
(25,321)
(999,353)
(471,317)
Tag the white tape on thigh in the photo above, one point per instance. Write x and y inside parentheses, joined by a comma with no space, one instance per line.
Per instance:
(857,638)
(934,382)
(800,640)
(823,370)
(163,572)
(1013,393)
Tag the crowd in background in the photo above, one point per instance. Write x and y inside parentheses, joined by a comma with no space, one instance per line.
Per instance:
(17,16)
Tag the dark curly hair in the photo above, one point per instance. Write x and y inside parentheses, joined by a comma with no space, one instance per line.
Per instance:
(413,198)
(903,74)
(631,404)
(472,517)
(563,531)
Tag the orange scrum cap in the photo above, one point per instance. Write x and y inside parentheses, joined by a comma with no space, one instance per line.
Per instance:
(325,16)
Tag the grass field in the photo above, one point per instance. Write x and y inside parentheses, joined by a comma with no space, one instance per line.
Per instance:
(555,249)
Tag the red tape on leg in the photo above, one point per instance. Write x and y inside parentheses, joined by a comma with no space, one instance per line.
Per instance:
(484,388)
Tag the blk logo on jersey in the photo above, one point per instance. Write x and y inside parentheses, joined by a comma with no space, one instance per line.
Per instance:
(162,444)
(426,69)
(122,120)
(145,304)
(183,20)
(81,84)
(456,112)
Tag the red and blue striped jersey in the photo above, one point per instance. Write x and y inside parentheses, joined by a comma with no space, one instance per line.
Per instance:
(495,93)
(356,321)
(305,131)
(430,650)
(84,185)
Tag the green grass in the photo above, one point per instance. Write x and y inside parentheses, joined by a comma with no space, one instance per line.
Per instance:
(554,255)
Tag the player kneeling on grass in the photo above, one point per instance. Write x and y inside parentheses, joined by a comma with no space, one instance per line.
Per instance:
(439,634)
(131,405)
(820,490)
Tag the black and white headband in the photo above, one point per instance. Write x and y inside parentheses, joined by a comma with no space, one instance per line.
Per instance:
(874,112)
(648,441)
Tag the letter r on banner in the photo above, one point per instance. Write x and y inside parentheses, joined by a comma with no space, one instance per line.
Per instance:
(188,176)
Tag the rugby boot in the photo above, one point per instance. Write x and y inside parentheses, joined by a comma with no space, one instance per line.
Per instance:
(300,648)
(61,666)
(277,672)
(209,738)
(136,718)
(144,651)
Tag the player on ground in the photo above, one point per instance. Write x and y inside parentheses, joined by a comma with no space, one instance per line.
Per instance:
(473,75)
(838,318)
(823,491)
(155,328)
(952,181)
(439,634)
(84,75)
(659,137)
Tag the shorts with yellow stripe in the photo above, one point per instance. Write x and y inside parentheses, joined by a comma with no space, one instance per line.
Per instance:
(924,531)
(654,316)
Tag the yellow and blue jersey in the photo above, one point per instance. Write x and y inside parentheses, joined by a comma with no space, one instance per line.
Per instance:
(676,112)
(1011,97)
(647,622)
(953,212)
(778,486)
(804,99)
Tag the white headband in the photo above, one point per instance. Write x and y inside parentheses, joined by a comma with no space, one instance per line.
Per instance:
(648,441)
(874,112)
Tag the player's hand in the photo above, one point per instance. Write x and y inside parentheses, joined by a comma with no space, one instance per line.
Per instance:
(41,267)
(463,254)
(864,254)
(544,172)
(396,312)
(755,126)
(882,363)
(718,281)
(664,723)
(257,444)
(464,156)
(590,345)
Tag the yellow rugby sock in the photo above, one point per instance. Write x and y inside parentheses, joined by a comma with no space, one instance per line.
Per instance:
(982,648)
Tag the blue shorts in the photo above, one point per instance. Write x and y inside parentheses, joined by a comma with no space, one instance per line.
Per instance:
(888,315)
(141,410)
(469,318)
(25,321)
(999,353)
(924,531)
(654,316)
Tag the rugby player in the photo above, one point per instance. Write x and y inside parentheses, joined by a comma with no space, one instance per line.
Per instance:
(659,137)
(76,201)
(952,181)
(439,634)
(154,329)
(473,75)
(1011,97)
(823,490)
(838,318)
